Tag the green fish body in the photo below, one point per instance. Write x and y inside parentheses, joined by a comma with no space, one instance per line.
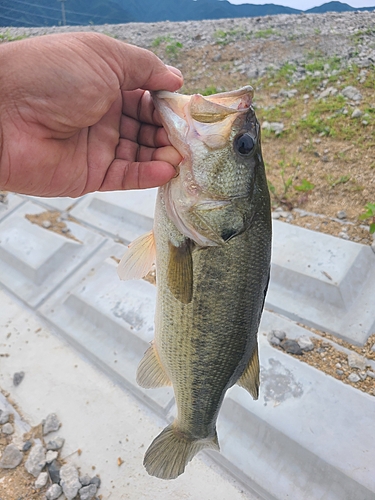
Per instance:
(212,244)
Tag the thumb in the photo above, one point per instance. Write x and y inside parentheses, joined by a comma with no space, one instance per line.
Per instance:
(140,68)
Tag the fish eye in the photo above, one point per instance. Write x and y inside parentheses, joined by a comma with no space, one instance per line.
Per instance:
(244,144)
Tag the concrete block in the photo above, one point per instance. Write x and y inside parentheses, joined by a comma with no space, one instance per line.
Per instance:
(322,281)
(124,215)
(34,260)
(9,202)
(110,321)
(61,204)
(294,442)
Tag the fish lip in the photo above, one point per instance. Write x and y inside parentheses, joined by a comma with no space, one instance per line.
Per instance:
(179,112)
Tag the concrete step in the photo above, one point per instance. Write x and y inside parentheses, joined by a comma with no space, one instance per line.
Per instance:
(290,443)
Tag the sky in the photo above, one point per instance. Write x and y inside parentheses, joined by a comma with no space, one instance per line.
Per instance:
(306,4)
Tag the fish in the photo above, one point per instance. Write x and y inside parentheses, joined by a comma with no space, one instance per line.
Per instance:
(211,244)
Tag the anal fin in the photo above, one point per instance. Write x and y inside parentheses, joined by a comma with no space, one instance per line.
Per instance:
(249,380)
(150,372)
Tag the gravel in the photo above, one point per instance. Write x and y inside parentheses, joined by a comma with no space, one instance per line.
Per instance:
(88,492)
(11,457)
(354,377)
(54,471)
(41,480)
(52,478)
(357,361)
(4,416)
(7,429)
(53,492)
(291,346)
(36,460)
(51,424)
(55,444)
(69,481)
(305,343)
(18,377)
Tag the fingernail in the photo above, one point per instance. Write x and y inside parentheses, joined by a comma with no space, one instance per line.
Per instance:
(174,70)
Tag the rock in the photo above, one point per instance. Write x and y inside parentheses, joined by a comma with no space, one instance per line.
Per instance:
(54,471)
(41,480)
(26,445)
(288,93)
(51,423)
(11,457)
(357,113)
(327,92)
(7,429)
(46,224)
(88,492)
(354,377)
(18,377)
(85,480)
(69,481)
(217,57)
(352,93)
(96,480)
(55,444)
(291,346)
(51,456)
(276,215)
(53,492)
(279,334)
(343,235)
(253,74)
(36,460)
(4,416)
(273,340)
(305,343)
(341,214)
(357,361)
(370,374)
(339,372)
(276,127)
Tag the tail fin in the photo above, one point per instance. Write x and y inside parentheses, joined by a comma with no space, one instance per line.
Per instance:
(169,452)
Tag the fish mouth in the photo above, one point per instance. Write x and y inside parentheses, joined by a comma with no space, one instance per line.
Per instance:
(209,119)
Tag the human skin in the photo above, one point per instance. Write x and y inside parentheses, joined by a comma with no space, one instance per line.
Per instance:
(76,116)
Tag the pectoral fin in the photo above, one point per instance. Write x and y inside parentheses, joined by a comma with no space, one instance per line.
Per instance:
(151,373)
(249,380)
(180,271)
(139,259)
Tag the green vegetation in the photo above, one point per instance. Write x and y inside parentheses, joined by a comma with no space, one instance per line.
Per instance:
(369,214)
(224,37)
(171,46)
(305,186)
(7,37)
(335,182)
(265,33)
(210,90)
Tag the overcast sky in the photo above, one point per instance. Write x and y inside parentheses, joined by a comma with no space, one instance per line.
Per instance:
(306,4)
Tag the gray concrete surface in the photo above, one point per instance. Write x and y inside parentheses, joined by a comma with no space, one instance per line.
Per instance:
(309,435)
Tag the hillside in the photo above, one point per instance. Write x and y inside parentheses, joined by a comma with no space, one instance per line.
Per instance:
(82,12)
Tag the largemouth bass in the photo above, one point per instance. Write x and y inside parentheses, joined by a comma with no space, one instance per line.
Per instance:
(211,242)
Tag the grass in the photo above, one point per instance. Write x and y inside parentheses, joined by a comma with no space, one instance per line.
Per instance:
(171,46)
(7,37)
(265,33)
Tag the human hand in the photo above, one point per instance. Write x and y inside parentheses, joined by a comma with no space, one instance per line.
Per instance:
(76,117)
